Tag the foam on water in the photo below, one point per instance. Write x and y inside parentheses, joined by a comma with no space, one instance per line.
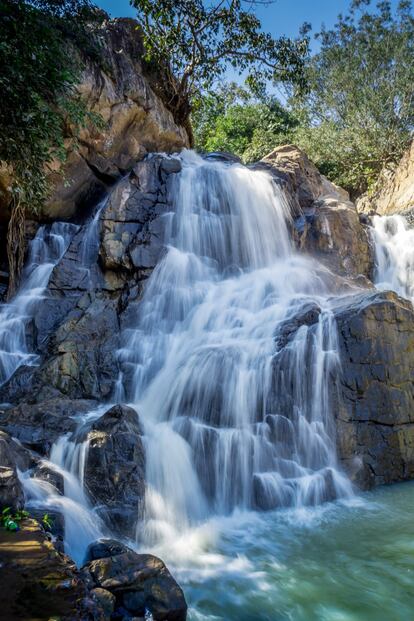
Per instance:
(394,249)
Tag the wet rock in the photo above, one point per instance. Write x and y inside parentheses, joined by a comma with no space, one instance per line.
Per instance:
(81,361)
(38,425)
(11,490)
(139,582)
(44,473)
(133,221)
(374,398)
(115,468)
(334,235)
(308,314)
(38,582)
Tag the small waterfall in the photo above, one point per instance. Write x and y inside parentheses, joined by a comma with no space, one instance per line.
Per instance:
(394,249)
(45,251)
(68,459)
(233,396)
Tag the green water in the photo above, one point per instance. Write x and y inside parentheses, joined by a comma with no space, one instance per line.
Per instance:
(351,562)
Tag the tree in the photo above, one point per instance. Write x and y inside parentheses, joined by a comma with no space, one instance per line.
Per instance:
(196,41)
(38,100)
(359,113)
(231,119)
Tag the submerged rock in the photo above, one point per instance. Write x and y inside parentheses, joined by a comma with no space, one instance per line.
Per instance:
(139,582)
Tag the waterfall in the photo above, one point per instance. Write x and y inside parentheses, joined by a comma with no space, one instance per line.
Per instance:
(394,250)
(233,394)
(45,251)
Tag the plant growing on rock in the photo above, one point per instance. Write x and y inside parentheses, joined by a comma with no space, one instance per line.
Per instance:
(39,71)
(195,42)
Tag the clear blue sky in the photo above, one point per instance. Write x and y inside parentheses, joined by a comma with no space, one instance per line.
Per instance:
(283,17)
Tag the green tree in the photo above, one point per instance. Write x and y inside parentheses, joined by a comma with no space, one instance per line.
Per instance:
(359,113)
(196,41)
(39,101)
(231,119)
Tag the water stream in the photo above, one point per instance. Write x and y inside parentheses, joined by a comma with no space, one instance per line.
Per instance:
(229,362)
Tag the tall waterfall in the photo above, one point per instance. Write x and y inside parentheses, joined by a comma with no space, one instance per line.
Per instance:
(234,396)
(45,251)
(394,248)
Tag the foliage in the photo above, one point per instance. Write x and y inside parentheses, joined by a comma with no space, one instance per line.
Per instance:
(10,520)
(196,41)
(230,119)
(359,113)
(39,99)
(47,521)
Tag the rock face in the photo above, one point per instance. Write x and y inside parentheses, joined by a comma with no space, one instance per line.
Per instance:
(115,469)
(137,582)
(136,122)
(394,190)
(327,224)
(374,402)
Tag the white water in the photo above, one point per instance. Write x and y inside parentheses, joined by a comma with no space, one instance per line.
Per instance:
(394,249)
(45,251)
(228,424)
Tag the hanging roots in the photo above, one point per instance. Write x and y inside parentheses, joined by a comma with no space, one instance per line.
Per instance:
(15,245)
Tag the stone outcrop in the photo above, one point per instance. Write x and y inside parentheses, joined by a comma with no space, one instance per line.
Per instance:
(394,190)
(136,122)
(374,401)
(38,582)
(137,582)
(326,223)
(115,469)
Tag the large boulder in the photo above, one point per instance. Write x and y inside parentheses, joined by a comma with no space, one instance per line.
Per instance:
(115,468)
(326,223)
(374,398)
(139,582)
(133,220)
(40,583)
(334,234)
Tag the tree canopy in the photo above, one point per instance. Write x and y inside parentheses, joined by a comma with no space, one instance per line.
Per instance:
(231,119)
(196,42)
(38,98)
(359,112)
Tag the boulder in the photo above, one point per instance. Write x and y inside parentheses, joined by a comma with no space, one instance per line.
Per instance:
(374,397)
(115,469)
(334,235)
(40,583)
(39,425)
(12,456)
(139,582)
(302,181)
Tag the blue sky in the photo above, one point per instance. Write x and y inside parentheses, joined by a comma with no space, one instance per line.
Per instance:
(282,17)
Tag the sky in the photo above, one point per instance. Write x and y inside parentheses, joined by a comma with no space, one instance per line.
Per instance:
(284,17)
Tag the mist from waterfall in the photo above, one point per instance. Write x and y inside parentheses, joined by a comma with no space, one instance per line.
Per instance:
(394,250)
(233,395)
(45,251)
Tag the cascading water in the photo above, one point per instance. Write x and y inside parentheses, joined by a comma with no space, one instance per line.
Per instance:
(45,251)
(394,249)
(230,422)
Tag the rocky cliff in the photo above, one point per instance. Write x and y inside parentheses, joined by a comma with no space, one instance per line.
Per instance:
(393,193)
(94,292)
